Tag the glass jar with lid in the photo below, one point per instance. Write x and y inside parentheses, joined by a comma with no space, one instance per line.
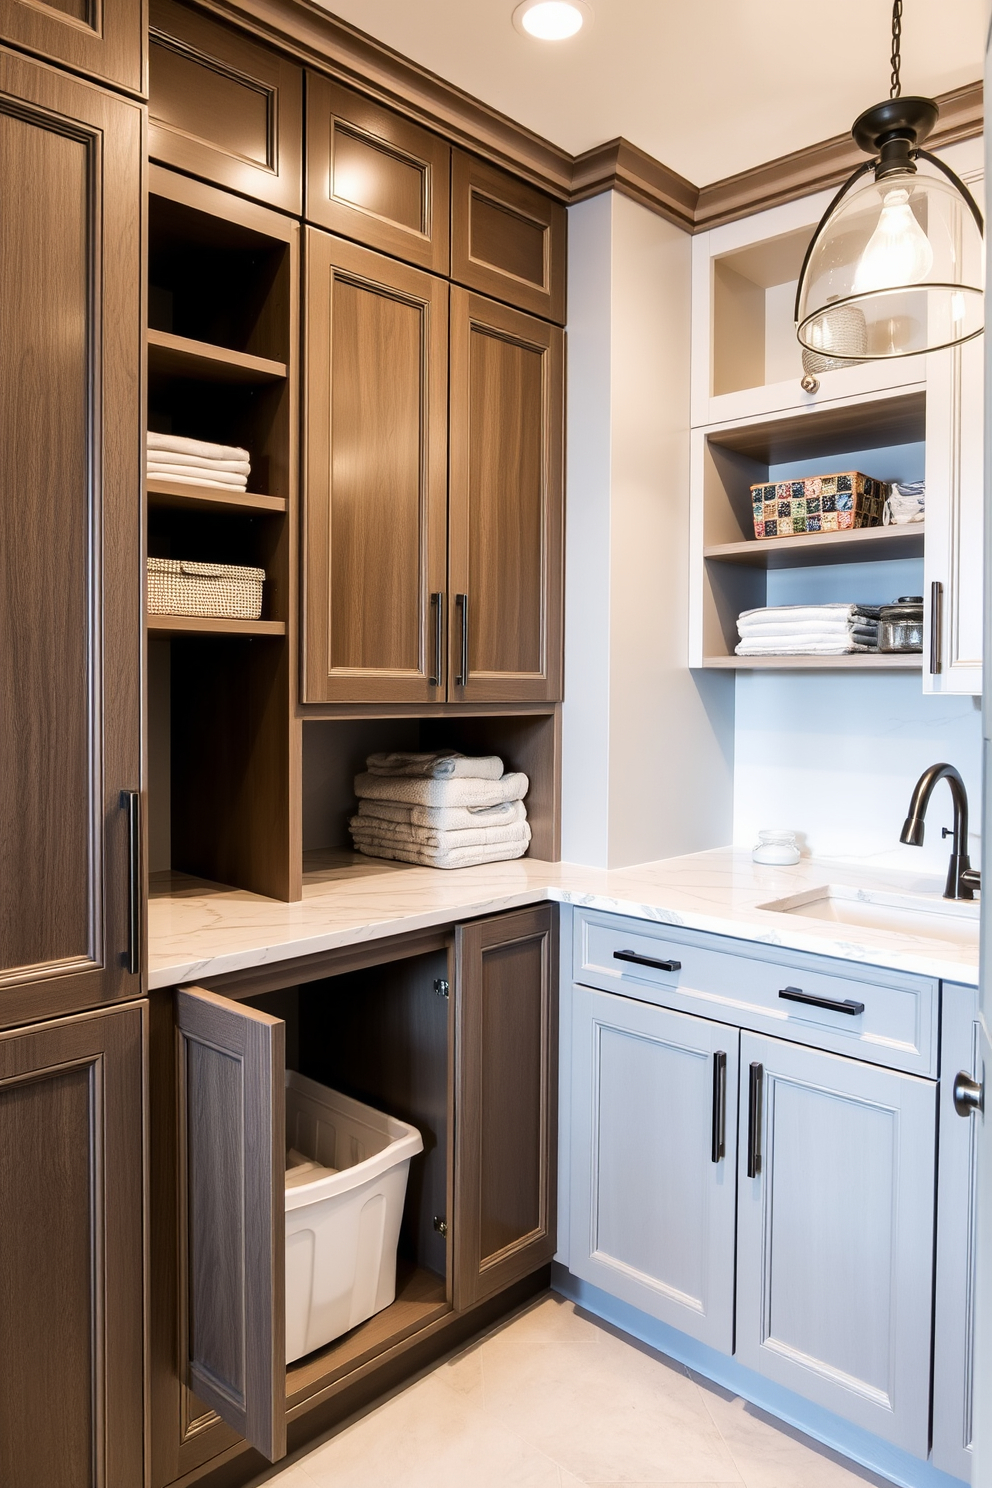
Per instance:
(900,625)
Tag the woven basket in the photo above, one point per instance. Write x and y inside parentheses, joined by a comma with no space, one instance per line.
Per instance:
(821,503)
(179,588)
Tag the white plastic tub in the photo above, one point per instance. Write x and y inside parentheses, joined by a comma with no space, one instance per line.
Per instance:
(342,1229)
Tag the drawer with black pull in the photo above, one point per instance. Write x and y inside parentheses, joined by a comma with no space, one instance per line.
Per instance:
(867,1012)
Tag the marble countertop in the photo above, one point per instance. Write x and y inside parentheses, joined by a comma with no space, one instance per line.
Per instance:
(198,929)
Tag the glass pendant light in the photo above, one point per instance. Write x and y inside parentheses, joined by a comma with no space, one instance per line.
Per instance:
(895,266)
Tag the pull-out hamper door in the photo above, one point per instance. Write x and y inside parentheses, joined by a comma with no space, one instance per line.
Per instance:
(232,1147)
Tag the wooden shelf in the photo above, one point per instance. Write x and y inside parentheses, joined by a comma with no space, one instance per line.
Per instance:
(179,356)
(858,661)
(176,495)
(213,625)
(868,544)
(420,1298)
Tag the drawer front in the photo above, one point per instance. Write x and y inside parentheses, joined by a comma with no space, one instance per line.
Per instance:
(884,1017)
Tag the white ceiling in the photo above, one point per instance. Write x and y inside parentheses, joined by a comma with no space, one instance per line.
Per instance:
(709,87)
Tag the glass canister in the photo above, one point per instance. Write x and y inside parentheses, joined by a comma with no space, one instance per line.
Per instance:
(776,847)
(900,625)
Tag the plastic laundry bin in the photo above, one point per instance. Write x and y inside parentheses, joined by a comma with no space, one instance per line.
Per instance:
(342,1226)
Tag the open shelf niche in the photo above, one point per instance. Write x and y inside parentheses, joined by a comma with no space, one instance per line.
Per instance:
(881,436)
(222,354)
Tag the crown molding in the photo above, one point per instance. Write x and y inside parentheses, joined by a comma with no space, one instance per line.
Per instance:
(318,39)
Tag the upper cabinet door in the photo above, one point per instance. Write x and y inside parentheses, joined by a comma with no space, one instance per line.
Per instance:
(376,177)
(102,38)
(507,239)
(376,480)
(232,1158)
(70,541)
(224,108)
(835,1227)
(505,505)
(506,1019)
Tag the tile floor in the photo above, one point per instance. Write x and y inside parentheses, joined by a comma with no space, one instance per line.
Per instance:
(554,1399)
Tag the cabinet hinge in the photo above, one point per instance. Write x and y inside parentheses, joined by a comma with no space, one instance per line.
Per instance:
(440,1224)
(441,986)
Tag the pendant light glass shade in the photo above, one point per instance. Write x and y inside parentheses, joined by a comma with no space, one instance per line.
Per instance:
(896,268)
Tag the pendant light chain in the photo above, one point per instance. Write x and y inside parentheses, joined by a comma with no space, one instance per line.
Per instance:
(896,89)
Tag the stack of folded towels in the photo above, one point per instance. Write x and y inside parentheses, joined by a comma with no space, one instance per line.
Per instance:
(808,630)
(193,462)
(442,810)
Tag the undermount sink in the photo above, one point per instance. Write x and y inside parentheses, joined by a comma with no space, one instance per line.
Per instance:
(880,909)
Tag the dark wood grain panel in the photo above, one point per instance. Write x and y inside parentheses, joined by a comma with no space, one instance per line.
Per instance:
(105,39)
(374,176)
(507,239)
(71,1171)
(232,1156)
(69,536)
(222,107)
(505,502)
(505,1142)
(375,542)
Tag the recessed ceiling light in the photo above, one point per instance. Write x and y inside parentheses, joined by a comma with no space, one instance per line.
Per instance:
(552,20)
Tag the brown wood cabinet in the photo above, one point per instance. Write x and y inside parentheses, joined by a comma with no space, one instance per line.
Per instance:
(374,176)
(71,1251)
(505,504)
(70,541)
(105,39)
(223,107)
(376,489)
(506,1100)
(507,240)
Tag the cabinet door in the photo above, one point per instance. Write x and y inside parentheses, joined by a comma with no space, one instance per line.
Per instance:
(506,504)
(71,1251)
(505,1101)
(507,239)
(653,1161)
(375,176)
(70,539)
(232,1173)
(222,107)
(376,477)
(957,1241)
(102,38)
(835,1234)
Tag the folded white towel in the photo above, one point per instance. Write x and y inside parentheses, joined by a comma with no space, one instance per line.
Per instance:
(786,647)
(444,818)
(443,764)
(800,613)
(185,472)
(184,446)
(196,480)
(199,462)
(464,857)
(368,829)
(511,787)
(796,628)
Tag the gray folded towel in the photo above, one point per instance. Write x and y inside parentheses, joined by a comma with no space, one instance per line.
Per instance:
(368,829)
(442,764)
(464,857)
(511,787)
(444,818)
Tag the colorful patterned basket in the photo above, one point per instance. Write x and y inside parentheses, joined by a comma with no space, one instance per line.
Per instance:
(820,503)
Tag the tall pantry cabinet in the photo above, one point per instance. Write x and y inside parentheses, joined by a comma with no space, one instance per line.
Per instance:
(72,1039)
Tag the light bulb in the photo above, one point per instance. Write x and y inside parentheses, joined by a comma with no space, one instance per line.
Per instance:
(898,252)
(550,20)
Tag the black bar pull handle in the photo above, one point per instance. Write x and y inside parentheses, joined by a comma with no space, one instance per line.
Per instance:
(131,958)
(461,603)
(936,627)
(796,994)
(754,1103)
(719,1147)
(647,961)
(437,605)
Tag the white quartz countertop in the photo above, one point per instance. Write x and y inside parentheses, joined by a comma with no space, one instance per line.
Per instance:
(198,930)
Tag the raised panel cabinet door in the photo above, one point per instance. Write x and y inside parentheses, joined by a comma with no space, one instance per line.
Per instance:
(70,542)
(72,1114)
(232,1161)
(374,176)
(506,505)
(653,1161)
(105,39)
(507,239)
(506,1046)
(374,566)
(836,1172)
(223,107)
